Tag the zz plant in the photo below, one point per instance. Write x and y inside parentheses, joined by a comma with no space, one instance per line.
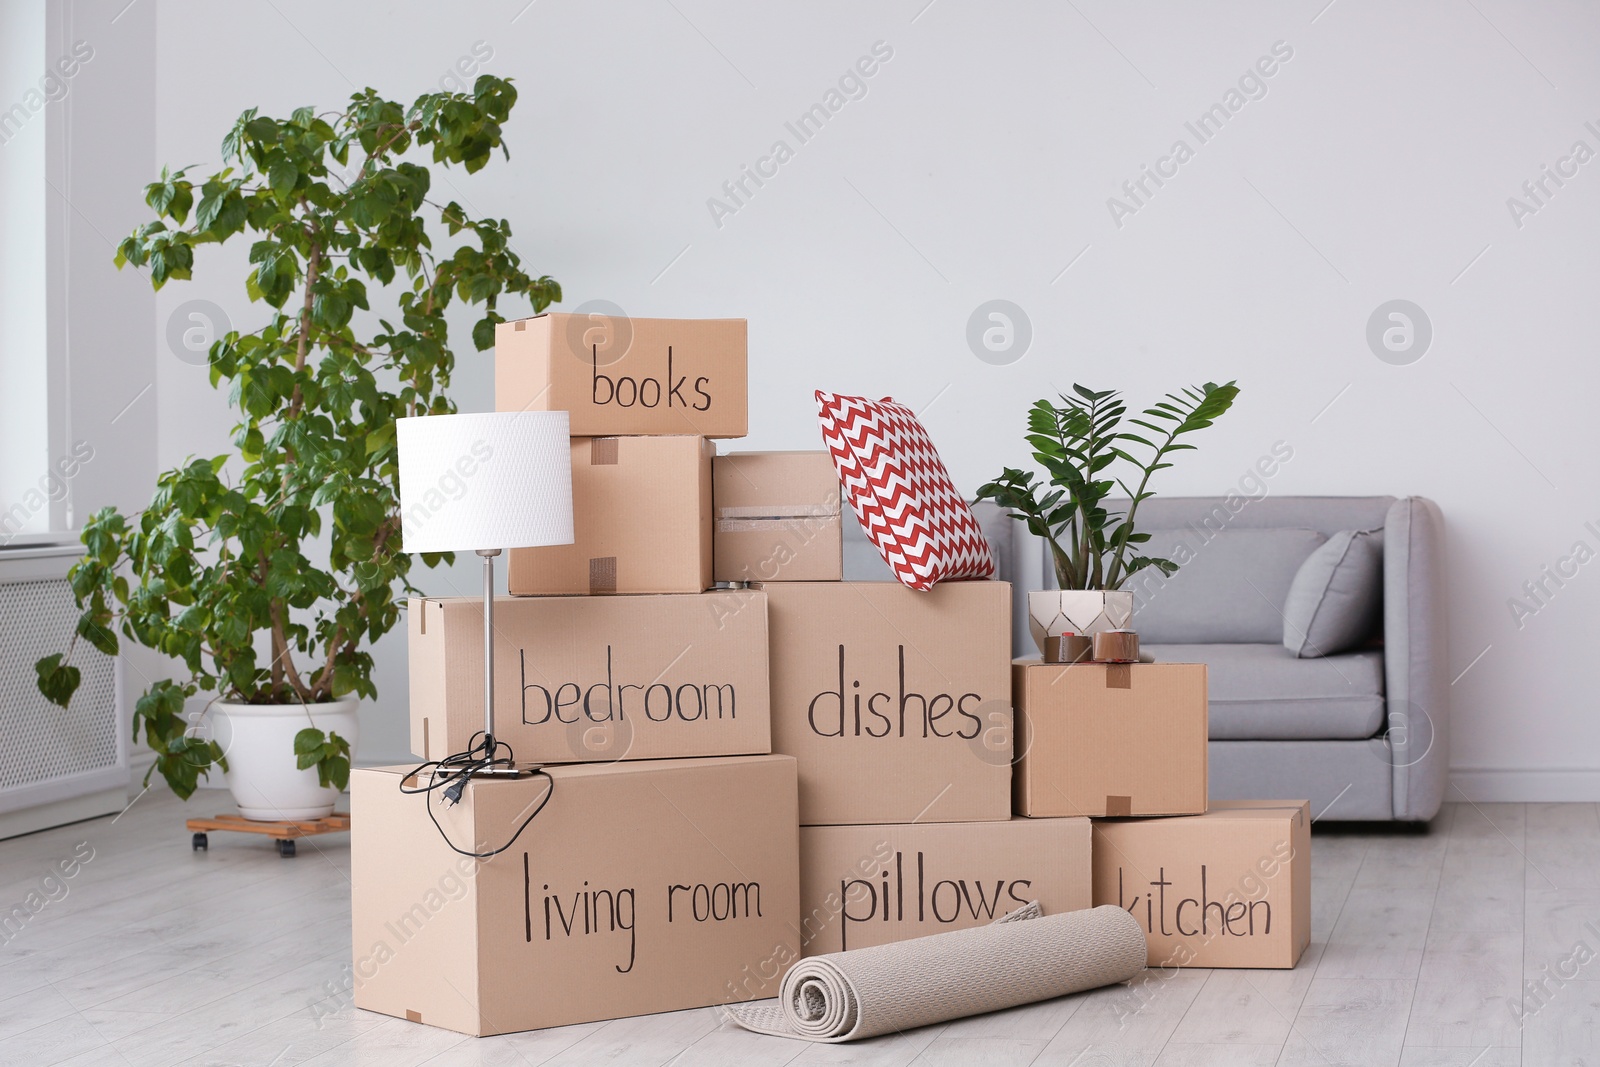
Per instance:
(270,569)
(1077,443)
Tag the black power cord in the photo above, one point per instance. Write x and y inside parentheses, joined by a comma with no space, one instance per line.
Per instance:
(452,774)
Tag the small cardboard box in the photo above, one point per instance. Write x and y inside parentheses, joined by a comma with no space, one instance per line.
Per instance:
(641,521)
(616,375)
(1110,738)
(1230,888)
(778,518)
(896,703)
(872,885)
(639,887)
(594,678)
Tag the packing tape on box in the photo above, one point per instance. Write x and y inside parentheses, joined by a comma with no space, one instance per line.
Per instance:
(1116,646)
(1068,648)
(1019,959)
(602,575)
(779,511)
(1118,807)
(603,452)
(1119,676)
(790,525)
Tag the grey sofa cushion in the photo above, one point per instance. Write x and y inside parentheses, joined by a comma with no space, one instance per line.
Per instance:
(1263,692)
(1240,511)
(1336,595)
(1230,586)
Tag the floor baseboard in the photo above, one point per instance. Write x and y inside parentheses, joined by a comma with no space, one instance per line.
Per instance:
(62,812)
(1525,784)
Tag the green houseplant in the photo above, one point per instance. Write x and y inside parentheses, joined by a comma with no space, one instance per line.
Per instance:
(1087,454)
(269,570)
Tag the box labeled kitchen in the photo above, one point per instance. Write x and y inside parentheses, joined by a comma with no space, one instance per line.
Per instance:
(1112,739)
(637,887)
(641,521)
(1230,888)
(872,885)
(777,517)
(594,678)
(895,702)
(616,375)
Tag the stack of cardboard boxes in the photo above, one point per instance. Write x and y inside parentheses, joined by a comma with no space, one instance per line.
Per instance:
(1125,743)
(785,765)
(896,704)
(656,863)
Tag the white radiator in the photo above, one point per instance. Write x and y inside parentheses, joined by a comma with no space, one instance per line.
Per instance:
(56,765)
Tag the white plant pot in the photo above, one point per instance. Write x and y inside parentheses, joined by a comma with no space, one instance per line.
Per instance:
(258,741)
(1085,612)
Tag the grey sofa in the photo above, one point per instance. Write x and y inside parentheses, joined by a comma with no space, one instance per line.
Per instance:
(1364,735)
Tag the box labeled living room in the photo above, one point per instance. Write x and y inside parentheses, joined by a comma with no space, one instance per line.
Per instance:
(637,887)
(807,530)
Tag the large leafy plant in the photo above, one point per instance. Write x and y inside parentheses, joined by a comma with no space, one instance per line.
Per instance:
(269,570)
(1077,443)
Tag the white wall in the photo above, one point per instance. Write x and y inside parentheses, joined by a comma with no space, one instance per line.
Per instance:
(979,166)
(77,359)
(24,433)
(76,144)
(101,151)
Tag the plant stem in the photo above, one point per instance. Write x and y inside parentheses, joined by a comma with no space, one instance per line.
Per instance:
(303,341)
(280,653)
(1113,579)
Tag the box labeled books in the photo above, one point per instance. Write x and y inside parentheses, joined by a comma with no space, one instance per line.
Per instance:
(616,375)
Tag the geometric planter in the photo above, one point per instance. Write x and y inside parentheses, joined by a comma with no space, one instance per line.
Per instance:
(1084,612)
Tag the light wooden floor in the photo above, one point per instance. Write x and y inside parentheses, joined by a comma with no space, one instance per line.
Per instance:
(1421,946)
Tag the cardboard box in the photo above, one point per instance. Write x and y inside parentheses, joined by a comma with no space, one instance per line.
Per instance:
(896,703)
(1110,738)
(616,375)
(641,521)
(595,678)
(778,518)
(872,885)
(1230,888)
(640,887)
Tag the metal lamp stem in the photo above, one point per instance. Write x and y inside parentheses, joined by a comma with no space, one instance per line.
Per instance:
(488,555)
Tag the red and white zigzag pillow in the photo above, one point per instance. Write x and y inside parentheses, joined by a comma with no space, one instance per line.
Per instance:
(901,491)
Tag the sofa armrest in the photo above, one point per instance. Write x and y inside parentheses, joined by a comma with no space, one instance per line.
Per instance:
(1416,663)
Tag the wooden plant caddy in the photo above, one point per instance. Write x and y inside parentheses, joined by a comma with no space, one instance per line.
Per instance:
(283,832)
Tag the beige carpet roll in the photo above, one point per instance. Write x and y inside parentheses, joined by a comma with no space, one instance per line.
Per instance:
(1022,958)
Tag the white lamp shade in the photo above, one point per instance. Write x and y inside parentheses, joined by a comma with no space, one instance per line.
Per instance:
(495,480)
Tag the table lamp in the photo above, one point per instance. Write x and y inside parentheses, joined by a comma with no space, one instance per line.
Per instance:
(485,483)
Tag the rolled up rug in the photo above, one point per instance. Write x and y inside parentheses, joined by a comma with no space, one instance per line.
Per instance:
(1022,958)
